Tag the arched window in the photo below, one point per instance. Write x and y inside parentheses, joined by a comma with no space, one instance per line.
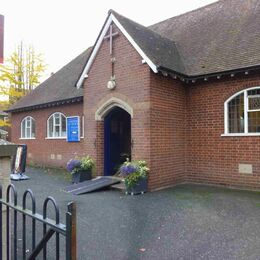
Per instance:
(56,126)
(28,128)
(242,113)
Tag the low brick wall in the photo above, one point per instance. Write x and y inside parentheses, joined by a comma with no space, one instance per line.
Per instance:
(5,170)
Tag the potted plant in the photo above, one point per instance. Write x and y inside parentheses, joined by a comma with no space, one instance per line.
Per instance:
(135,176)
(81,169)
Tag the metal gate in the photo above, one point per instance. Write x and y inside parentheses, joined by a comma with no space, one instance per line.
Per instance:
(50,228)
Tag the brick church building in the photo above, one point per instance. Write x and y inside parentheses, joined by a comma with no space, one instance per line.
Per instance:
(182,94)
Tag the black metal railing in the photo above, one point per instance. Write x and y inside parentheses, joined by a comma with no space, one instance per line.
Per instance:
(50,227)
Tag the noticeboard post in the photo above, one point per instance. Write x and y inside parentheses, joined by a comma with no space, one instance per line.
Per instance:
(1,38)
(73,129)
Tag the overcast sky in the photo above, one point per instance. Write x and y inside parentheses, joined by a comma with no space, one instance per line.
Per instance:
(62,29)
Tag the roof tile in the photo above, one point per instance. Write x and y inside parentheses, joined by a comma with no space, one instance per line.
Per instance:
(59,86)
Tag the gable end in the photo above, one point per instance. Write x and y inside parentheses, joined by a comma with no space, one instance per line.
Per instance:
(111,18)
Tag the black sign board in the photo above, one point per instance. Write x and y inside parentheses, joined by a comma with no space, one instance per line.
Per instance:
(20,159)
(19,163)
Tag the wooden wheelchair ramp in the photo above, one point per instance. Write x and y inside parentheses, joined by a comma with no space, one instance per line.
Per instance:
(92,185)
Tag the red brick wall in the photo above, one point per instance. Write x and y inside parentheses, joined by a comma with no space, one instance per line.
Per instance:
(212,158)
(168,117)
(133,87)
(41,149)
(176,128)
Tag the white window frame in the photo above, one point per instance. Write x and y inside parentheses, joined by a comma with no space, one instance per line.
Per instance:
(54,125)
(25,137)
(252,110)
(246,110)
(82,127)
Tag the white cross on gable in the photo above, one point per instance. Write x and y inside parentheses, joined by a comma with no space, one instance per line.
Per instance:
(110,36)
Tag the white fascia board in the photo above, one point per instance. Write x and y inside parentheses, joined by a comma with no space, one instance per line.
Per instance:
(134,44)
(94,52)
(111,19)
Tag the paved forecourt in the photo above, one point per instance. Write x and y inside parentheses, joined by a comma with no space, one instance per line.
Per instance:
(185,222)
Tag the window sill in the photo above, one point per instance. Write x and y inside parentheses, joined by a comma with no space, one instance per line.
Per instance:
(24,138)
(58,138)
(241,134)
(55,138)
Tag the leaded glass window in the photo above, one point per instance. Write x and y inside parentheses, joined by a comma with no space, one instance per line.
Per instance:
(242,112)
(28,128)
(236,114)
(57,126)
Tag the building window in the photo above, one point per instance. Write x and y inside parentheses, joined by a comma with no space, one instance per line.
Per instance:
(56,125)
(242,113)
(28,128)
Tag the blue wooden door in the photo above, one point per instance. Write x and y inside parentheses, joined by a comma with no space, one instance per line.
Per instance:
(117,140)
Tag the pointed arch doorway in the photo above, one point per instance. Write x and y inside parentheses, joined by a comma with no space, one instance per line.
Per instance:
(117,139)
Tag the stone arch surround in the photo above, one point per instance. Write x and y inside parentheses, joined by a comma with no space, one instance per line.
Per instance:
(109,104)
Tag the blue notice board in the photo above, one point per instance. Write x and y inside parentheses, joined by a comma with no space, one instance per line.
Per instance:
(73,129)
